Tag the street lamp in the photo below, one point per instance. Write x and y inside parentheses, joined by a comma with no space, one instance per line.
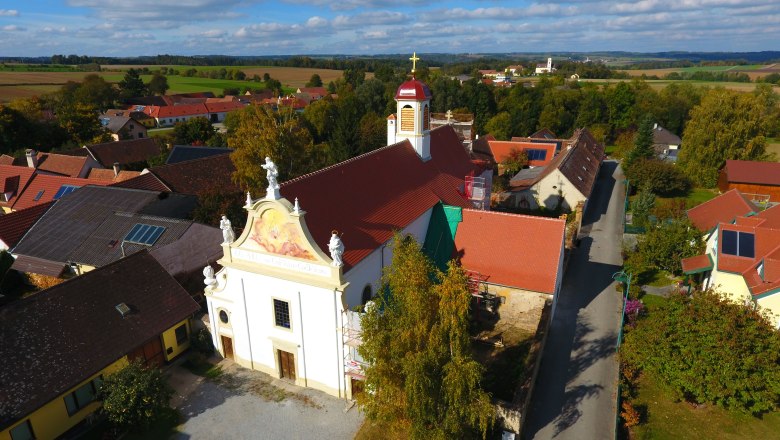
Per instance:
(625,279)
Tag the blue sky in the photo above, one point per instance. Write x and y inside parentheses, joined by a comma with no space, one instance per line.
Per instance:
(249,27)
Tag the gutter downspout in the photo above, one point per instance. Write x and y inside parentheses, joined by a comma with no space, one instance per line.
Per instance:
(303,347)
(248,334)
(339,353)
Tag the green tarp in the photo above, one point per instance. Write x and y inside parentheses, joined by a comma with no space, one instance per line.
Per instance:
(440,239)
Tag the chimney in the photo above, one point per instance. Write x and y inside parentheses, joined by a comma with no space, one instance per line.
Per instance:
(116,169)
(32,158)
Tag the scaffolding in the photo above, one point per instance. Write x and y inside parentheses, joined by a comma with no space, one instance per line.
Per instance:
(351,337)
(475,191)
(483,298)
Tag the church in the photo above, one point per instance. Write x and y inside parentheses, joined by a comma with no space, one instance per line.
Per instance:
(286,300)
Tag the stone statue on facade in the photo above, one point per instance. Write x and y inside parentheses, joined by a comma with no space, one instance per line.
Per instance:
(227,230)
(336,248)
(208,275)
(271,174)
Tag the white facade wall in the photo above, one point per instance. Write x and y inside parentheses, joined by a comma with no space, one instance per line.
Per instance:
(547,191)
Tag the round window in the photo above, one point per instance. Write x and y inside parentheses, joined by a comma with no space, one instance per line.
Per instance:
(223,316)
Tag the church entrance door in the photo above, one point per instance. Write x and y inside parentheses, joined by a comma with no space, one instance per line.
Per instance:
(227,347)
(287,365)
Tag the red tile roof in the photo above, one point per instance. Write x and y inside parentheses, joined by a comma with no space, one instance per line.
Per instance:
(544,133)
(62,164)
(198,176)
(413,89)
(316,92)
(748,171)
(409,187)
(697,264)
(519,251)
(108,175)
(176,110)
(49,185)
(218,107)
(13,226)
(6,160)
(147,181)
(724,208)
(501,150)
(14,180)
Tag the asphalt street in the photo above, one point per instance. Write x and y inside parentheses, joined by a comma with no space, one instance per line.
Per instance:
(575,391)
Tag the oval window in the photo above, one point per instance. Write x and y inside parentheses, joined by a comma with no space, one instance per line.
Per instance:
(223,316)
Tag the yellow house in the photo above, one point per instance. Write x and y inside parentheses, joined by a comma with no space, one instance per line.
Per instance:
(742,260)
(59,344)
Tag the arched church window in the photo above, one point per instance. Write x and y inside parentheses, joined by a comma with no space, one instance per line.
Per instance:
(407,118)
(426,118)
(367,294)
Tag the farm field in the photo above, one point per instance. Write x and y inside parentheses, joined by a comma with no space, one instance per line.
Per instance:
(19,84)
(661,83)
(752,70)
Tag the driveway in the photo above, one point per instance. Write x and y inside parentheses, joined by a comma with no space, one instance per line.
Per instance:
(246,404)
(575,391)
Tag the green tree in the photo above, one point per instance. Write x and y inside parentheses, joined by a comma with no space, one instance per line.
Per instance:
(81,123)
(643,142)
(660,177)
(344,141)
(132,85)
(256,132)
(320,115)
(416,342)
(213,204)
(620,102)
(500,126)
(134,397)
(708,349)
(314,81)
(194,131)
(372,132)
(665,244)
(515,161)
(95,91)
(726,125)
(158,85)
(641,207)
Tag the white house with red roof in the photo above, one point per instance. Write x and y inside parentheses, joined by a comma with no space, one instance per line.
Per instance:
(742,256)
(314,249)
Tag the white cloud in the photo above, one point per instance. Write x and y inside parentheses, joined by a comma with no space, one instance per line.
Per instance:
(9,13)
(370,19)
(12,28)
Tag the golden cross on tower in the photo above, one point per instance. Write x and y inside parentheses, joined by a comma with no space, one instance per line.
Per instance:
(414,59)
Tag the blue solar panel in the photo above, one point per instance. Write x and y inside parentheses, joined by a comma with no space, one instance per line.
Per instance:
(729,242)
(39,195)
(65,190)
(144,234)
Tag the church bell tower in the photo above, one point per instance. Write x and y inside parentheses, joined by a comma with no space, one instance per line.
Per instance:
(412,119)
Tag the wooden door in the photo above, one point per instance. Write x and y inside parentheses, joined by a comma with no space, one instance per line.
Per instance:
(227,347)
(287,365)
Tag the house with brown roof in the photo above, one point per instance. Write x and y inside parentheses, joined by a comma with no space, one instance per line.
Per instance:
(665,143)
(14,225)
(60,164)
(314,248)
(742,260)
(63,341)
(123,127)
(13,180)
(759,179)
(130,153)
(566,181)
(539,153)
(316,93)
(194,177)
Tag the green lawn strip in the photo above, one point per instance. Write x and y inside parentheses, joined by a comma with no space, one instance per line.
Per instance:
(661,278)
(159,131)
(663,418)
(652,302)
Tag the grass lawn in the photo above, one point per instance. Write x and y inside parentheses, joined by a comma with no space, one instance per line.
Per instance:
(701,195)
(661,278)
(773,146)
(609,149)
(160,131)
(652,302)
(666,419)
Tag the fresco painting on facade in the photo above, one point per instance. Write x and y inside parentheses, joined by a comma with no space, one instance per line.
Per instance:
(272,233)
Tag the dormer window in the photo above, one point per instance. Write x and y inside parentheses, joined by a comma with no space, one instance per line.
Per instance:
(740,244)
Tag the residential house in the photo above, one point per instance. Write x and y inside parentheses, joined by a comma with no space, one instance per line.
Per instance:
(124,154)
(282,301)
(219,110)
(566,181)
(462,123)
(63,342)
(316,93)
(123,127)
(515,69)
(742,260)
(43,188)
(95,226)
(544,133)
(489,73)
(134,111)
(184,153)
(59,164)
(169,115)
(193,177)
(14,225)
(539,154)
(665,143)
(14,180)
(761,180)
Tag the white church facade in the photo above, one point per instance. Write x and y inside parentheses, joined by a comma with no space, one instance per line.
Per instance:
(314,248)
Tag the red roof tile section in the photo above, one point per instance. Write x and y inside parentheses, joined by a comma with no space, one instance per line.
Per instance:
(146,181)
(198,176)
(48,186)
(61,164)
(747,171)
(512,250)
(13,226)
(108,175)
(696,264)
(336,197)
(124,152)
(13,179)
(169,111)
(501,150)
(413,89)
(724,208)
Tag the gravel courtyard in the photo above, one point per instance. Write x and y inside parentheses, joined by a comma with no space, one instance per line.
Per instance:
(245,404)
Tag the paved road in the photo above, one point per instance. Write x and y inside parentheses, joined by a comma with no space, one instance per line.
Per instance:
(576,388)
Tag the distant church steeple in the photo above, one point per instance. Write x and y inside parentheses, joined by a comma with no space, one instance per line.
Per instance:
(412,120)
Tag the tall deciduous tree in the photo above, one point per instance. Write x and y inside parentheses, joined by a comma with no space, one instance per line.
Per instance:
(314,81)
(134,397)
(158,85)
(709,350)
(515,161)
(726,125)
(256,132)
(195,131)
(416,341)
